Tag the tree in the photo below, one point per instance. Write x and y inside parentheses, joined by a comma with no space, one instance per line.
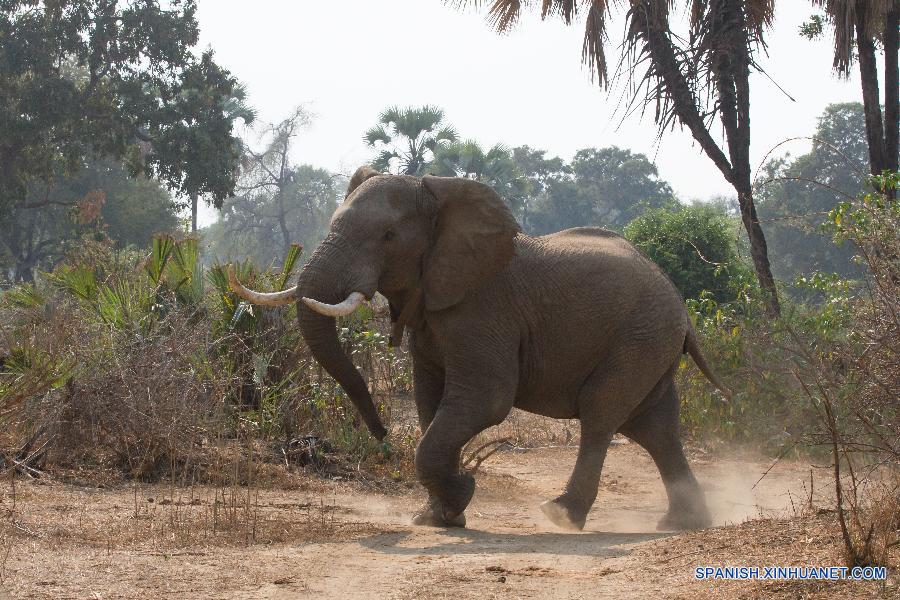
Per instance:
(795,194)
(100,197)
(605,186)
(278,202)
(694,245)
(406,138)
(540,174)
(864,24)
(689,80)
(621,184)
(117,79)
(494,166)
(270,174)
(251,224)
(233,107)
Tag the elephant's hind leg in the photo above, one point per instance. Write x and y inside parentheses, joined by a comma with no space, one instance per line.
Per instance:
(604,403)
(570,509)
(656,429)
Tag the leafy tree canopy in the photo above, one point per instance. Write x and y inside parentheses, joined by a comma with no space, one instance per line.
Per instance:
(795,194)
(607,187)
(694,245)
(113,78)
(407,138)
(100,198)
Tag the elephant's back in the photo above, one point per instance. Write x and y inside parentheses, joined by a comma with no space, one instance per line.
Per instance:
(590,298)
(580,240)
(598,252)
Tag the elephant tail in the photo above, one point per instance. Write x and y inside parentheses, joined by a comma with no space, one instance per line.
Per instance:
(692,347)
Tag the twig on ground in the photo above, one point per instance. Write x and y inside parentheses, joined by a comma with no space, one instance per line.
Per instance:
(474,455)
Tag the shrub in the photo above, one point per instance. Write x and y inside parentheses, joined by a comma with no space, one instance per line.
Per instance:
(694,245)
(150,366)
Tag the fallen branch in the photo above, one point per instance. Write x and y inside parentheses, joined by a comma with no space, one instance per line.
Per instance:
(474,455)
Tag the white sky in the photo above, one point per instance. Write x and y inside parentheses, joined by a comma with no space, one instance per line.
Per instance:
(347,60)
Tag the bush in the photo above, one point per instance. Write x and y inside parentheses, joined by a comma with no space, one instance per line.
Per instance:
(694,245)
(150,366)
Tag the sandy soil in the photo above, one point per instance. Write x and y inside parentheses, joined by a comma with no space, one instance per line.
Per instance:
(333,539)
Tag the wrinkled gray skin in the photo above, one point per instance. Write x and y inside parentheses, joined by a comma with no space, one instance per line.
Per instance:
(577,324)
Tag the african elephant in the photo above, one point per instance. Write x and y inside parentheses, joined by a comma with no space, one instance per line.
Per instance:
(577,324)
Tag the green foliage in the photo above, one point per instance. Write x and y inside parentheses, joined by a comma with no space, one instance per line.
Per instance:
(695,246)
(116,79)
(813,28)
(794,196)
(605,187)
(407,138)
(99,200)
(840,351)
(153,358)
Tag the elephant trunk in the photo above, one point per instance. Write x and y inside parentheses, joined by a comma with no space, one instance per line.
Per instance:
(323,279)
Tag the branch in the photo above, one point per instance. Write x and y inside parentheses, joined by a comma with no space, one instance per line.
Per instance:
(666,67)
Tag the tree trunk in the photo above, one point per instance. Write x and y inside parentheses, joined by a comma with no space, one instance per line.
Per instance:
(868,75)
(194,214)
(891,88)
(732,71)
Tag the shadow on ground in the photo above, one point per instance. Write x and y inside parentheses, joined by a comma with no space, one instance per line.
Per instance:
(471,541)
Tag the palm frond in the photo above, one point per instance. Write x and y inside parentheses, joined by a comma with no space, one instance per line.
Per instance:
(595,37)
(842,16)
(564,8)
(446,134)
(760,14)
(377,134)
(290,261)
(382,162)
(504,14)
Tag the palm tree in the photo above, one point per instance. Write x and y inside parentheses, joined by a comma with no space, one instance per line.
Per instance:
(408,137)
(864,24)
(687,81)
(494,166)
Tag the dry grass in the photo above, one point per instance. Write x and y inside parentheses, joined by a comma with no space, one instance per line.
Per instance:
(810,540)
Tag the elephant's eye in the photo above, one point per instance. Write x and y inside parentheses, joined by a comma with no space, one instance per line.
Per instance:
(388,235)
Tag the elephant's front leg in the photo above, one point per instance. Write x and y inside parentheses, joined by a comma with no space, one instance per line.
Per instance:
(428,388)
(465,410)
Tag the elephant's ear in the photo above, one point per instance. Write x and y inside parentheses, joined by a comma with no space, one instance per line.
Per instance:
(473,239)
(361,174)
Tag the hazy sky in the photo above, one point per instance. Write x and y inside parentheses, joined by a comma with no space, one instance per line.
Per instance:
(347,60)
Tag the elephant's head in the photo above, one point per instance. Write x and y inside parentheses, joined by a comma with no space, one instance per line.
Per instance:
(435,238)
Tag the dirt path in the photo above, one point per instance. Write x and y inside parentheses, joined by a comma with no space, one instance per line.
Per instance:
(510,549)
(335,540)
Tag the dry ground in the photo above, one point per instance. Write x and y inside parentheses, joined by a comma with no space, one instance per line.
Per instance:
(338,539)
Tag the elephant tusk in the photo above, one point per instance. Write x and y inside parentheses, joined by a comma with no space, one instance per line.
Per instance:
(336,310)
(263,298)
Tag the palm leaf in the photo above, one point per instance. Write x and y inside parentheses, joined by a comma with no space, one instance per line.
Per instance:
(160,250)
(377,134)
(78,281)
(290,261)
(595,37)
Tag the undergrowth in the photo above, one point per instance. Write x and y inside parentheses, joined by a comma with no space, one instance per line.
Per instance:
(149,366)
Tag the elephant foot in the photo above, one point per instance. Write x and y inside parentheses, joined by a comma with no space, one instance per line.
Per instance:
(562,515)
(433,515)
(685,520)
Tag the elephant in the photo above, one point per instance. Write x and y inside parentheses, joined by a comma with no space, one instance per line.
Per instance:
(575,324)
